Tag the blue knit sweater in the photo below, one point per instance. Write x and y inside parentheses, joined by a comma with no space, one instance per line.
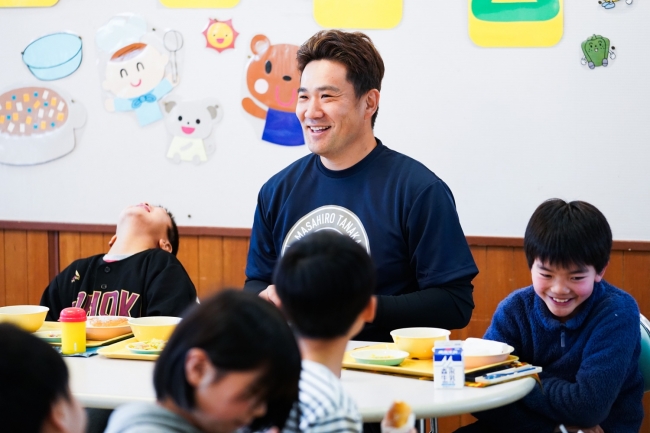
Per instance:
(590,363)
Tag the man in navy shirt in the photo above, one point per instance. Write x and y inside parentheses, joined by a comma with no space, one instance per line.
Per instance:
(395,207)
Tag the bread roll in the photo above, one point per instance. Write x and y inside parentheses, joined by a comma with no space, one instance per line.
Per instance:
(398,414)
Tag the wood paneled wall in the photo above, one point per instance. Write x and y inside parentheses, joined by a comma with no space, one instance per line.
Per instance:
(30,258)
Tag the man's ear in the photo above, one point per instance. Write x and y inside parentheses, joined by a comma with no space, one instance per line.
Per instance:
(112,241)
(198,367)
(165,245)
(600,275)
(371,103)
(369,312)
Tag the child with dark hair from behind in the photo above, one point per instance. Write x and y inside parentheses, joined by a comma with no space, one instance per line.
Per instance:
(34,392)
(231,363)
(325,283)
(583,331)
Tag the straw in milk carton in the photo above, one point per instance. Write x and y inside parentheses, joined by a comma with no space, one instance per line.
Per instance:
(448,365)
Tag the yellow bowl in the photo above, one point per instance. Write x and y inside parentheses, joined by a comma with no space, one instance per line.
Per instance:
(159,327)
(27,317)
(418,342)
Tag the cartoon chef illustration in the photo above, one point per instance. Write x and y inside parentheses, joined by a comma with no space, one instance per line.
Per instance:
(135,70)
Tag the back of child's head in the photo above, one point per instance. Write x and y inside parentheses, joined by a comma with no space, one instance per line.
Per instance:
(565,234)
(239,332)
(324,281)
(32,378)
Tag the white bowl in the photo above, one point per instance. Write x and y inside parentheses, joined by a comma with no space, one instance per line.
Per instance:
(418,342)
(478,360)
(99,332)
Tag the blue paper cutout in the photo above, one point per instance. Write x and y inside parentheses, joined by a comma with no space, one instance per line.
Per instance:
(53,56)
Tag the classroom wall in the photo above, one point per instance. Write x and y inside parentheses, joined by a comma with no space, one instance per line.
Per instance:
(505,128)
(30,258)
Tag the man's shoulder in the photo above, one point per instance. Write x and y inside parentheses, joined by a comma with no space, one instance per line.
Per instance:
(290,172)
(84,263)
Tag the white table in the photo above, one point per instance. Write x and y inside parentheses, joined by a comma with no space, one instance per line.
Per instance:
(100,382)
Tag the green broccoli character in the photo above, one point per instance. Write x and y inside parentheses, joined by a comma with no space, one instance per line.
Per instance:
(596,51)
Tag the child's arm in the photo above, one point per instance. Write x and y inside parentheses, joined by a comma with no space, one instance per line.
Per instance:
(607,360)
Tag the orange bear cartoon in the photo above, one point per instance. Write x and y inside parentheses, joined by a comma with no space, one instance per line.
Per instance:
(273,79)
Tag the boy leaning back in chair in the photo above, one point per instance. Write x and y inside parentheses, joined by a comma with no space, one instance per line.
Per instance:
(583,331)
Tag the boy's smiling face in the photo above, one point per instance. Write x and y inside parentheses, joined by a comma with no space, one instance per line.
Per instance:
(563,290)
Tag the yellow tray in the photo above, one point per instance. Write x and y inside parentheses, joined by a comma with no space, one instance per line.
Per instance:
(119,350)
(55,326)
(422,368)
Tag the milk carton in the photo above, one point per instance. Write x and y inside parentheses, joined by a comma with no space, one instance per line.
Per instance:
(448,365)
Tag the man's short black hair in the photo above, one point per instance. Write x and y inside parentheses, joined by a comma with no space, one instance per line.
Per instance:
(239,332)
(172,233)
(566,234)
(32,378)
(324,281)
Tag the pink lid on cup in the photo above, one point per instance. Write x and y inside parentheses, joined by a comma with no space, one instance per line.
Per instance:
(72,314)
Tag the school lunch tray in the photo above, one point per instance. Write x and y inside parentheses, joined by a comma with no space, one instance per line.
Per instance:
(119,351)
(56,326)
(421,368)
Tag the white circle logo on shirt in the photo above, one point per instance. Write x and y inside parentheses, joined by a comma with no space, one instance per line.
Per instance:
(335,218)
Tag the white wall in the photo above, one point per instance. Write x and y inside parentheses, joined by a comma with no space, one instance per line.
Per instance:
(505,128)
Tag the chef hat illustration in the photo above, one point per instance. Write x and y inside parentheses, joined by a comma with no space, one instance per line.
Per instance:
(120,31)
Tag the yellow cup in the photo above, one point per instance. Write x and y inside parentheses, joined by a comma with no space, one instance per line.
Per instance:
(73,330)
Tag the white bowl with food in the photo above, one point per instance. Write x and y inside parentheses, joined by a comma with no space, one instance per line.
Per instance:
(478,352)
(106,327)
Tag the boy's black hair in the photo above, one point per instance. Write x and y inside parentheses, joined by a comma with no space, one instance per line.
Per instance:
(172,233)
(239,332)
(32,378)
(566,234)
(324,281)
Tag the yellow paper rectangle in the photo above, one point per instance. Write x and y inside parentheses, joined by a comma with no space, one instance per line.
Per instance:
(358,14)
(37,104)
(221,4)
(53,102)
(492,34)
(42,124)
(60,116)
(26,97)
(8,105)
(28,120)
(2,119)
(27,3)
(15,117)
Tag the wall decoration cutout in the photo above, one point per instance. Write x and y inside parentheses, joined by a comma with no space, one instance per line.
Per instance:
(135,69)
(611,4)
(190,124)
(358,14)
(27,3)
(173,41)
(209,4)
(512,23)
(220,35)
(272,79)
(597,51)
(37,124)
(54,56)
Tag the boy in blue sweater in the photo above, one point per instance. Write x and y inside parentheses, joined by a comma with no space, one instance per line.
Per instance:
(583,331)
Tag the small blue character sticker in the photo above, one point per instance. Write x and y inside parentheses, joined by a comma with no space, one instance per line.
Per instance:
(611,4)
